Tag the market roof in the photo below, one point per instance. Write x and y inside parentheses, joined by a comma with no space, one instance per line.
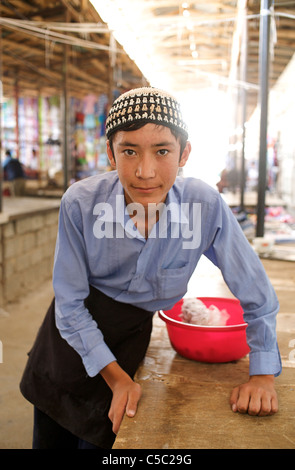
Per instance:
(193,44)
(199,43)
(47,43)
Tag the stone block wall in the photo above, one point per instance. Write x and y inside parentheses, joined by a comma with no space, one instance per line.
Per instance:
(28,244)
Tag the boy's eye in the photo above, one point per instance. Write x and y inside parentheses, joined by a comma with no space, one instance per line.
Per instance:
(163,152)
(129,152)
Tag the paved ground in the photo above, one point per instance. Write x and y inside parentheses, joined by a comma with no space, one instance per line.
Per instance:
(17,332)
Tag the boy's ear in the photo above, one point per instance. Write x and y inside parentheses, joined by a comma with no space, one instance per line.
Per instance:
(185,154)
(110,155)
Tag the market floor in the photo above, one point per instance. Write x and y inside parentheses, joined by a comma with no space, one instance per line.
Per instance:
(20,323)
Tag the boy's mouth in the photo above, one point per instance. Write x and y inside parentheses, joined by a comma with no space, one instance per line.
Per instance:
(145,189)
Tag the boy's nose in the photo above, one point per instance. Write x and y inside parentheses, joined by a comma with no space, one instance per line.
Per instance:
(145,168)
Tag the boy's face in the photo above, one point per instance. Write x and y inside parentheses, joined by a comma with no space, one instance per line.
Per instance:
(147,161)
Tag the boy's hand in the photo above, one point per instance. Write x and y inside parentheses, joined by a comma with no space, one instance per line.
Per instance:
(256,397)
(125,398)
(126,394)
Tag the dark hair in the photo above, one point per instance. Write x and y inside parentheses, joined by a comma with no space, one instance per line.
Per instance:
(138,125)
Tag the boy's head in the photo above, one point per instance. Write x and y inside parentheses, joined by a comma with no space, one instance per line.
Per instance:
(147,143)
(140,106)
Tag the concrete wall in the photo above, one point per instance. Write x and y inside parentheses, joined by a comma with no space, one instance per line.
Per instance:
(28,243)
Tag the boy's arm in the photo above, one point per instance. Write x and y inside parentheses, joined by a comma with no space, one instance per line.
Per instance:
(245,276)
(256,397)
(126,393)
(71,287)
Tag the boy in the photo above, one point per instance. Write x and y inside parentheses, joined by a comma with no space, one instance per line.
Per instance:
(127,245)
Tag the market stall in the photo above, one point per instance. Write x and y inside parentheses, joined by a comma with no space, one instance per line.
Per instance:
(58,79)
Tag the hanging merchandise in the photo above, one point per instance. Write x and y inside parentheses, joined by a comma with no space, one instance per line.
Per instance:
(102,113)
(90,131)
(28,130)
(9,141)
(89,144)
(50,129)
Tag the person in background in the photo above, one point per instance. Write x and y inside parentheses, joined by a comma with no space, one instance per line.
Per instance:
(229,180)
(14,173)
(128,243)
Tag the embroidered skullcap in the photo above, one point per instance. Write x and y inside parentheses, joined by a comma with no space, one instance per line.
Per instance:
(149,105)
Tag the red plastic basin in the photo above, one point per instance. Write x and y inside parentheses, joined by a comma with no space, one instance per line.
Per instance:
(208,343)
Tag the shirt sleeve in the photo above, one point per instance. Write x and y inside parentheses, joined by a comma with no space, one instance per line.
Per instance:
(71,287)
(245,276)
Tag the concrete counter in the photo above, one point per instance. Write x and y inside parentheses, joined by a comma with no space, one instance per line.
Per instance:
(28,229)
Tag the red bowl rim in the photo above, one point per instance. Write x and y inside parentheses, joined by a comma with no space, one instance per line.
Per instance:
(190,326)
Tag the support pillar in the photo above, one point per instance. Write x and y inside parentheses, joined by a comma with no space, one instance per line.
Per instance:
(264,40)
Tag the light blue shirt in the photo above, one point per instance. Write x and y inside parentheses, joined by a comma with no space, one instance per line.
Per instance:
(98,245)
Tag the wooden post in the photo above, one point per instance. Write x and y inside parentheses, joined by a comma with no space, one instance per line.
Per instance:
(264,38)
(112,62)
(66,124)
(244,65)
(16,97)
(1,102)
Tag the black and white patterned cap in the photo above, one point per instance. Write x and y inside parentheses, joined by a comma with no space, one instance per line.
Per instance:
(149,105)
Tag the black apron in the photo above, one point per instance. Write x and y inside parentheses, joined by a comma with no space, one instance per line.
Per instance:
(56,382)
